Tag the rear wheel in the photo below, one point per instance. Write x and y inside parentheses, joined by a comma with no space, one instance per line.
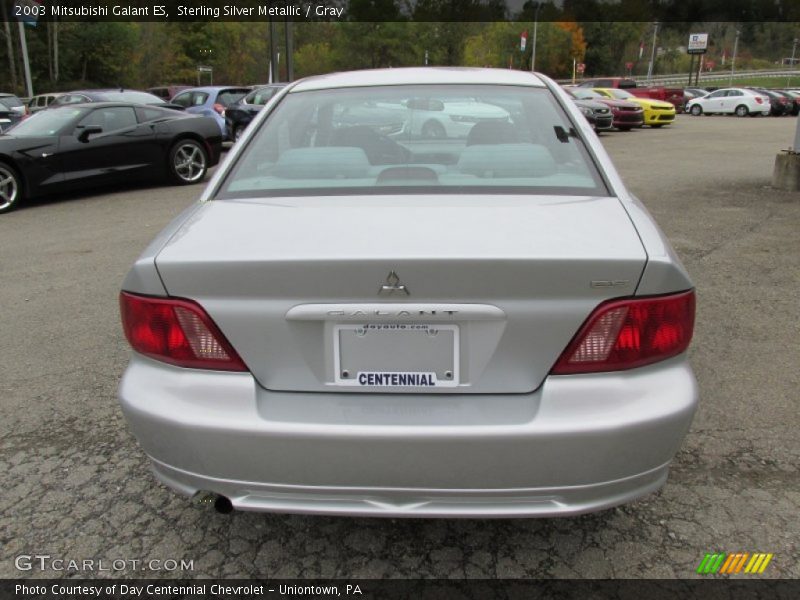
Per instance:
(10,188)
(188,162)
(696,110)
(741,111)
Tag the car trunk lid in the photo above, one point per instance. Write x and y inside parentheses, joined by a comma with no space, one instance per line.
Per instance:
(482,293)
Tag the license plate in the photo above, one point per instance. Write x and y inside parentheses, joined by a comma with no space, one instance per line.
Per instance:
(396,355)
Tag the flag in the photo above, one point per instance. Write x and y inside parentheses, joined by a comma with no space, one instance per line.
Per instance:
(523,41)
(641,50)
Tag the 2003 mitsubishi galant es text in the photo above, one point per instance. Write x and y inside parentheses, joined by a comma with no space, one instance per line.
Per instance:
(358,318)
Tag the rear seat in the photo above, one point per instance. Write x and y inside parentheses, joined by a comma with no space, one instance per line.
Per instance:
(507,161)
(331,162)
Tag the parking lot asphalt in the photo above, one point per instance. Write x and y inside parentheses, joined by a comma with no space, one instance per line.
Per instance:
(76,485)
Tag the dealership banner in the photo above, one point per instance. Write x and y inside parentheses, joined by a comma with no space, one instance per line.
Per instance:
(400,10)
(388,589)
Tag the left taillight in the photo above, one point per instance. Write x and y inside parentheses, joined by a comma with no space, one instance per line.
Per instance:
(176,331)
(630,332)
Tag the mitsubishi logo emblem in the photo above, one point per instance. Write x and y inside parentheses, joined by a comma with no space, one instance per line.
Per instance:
(392,285)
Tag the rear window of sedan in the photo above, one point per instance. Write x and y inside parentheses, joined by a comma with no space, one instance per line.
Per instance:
(70,99)
(415,139)
(260,96)
(190,99)
(228,97)
(135,97)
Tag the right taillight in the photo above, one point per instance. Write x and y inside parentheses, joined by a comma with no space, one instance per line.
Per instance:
(176,331)
(628,333)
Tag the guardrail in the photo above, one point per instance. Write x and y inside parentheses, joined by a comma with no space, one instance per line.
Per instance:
(682,79)
(721,76)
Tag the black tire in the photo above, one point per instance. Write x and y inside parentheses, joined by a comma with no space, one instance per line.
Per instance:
(433,130)
(696,110)
(10,188)
(657,126)
(187,162)
(741,111)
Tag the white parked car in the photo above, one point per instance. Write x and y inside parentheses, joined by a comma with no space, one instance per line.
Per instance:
(738,101)
(459,116)
(433,118)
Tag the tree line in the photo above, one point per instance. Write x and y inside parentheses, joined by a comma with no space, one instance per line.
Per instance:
(70,55)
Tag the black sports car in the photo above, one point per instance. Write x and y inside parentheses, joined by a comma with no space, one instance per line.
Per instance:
(85,145)
(239,114)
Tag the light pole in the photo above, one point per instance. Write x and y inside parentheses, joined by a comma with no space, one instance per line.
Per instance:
(533,44)
(289,36)
(791,63)
(274,74)
(733,58)
(652,53)
(26,64)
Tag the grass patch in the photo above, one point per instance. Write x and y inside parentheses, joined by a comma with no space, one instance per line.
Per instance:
(765,82)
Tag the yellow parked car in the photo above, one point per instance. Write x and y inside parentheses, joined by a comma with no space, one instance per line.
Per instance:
(657,113)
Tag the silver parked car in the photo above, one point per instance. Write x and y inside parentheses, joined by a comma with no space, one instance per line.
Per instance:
(364,320)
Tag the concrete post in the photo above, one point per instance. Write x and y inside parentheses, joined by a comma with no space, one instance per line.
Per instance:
(796,146)
(786,172)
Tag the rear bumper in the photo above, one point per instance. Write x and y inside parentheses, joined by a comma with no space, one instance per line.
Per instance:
(417,503)
(578,444)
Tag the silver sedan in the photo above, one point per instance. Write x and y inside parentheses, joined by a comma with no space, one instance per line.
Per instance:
(359,319)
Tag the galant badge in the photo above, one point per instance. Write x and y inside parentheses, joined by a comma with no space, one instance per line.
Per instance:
(392,285)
